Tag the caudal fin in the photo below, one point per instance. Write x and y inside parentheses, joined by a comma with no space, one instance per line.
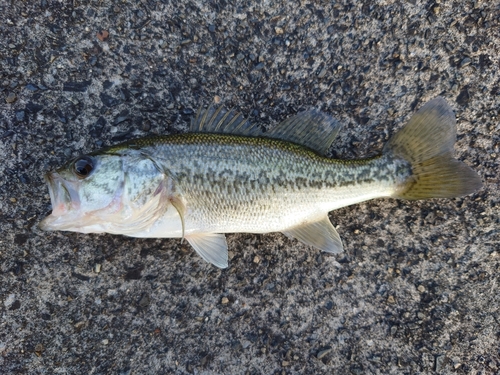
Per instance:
(426,142)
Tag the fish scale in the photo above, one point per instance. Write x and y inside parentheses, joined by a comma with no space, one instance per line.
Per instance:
(264,185)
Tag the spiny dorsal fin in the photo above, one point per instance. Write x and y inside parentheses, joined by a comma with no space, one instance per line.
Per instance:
(313,129)
(217,120)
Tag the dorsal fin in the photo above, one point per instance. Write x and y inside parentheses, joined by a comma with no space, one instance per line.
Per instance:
(313,129)
(217,120)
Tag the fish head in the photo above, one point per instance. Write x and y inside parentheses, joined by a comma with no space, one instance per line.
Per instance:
(106,192)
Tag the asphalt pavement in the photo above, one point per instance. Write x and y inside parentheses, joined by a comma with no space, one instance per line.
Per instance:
(416,290)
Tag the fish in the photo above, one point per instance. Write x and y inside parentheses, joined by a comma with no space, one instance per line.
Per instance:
(227,176)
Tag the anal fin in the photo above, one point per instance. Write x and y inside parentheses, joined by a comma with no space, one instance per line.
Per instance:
(319,234)
(210,246)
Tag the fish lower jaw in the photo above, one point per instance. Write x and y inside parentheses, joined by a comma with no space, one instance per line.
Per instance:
(52,223)
(45,225)
(63,223)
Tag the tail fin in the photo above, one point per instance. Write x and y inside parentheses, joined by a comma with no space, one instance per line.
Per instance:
(426,142)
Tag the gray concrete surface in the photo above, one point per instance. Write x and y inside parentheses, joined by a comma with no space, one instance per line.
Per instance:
(416,291)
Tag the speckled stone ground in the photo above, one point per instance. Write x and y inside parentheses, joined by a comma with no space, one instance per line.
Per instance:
(416,291)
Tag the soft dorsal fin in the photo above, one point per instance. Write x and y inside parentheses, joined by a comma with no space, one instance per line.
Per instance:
(313,129)
(320,234)
(217,120)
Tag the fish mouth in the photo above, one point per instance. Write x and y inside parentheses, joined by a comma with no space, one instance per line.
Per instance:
(65,203)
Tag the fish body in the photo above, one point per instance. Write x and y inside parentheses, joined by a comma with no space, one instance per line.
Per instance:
(225,177)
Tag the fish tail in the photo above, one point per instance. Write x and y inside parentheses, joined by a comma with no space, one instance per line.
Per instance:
(426,142)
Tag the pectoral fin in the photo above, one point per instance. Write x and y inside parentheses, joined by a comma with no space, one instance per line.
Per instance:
(319,234)
(179,205)
(210,246)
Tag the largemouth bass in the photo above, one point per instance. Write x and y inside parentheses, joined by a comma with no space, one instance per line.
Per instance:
(225,176)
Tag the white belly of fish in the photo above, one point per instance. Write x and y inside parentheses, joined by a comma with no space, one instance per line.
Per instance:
(286,212)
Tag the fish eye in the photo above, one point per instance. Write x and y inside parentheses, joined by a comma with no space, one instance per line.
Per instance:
(83,166)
